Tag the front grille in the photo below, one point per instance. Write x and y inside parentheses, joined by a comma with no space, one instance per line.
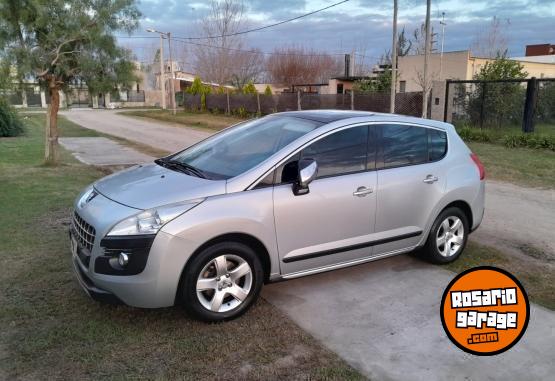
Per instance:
(84,233)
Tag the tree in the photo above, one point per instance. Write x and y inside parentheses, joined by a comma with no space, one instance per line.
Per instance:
(380,84)
(221,58)
(501,68)
(249,88)
(418,44)
(404,44)
(59,41)
(267,90)
(495,103)
(294,66)
(490,42)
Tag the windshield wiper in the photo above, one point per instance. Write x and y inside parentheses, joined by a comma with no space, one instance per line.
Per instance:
(182,167)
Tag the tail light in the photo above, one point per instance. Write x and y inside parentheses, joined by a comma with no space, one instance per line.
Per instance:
(479,164)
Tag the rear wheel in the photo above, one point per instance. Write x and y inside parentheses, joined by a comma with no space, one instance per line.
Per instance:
(448,236)
(222,282)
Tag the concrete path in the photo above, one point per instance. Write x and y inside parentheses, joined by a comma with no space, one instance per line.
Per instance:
(163,136)
(103,151)
(517,216)
(383,318)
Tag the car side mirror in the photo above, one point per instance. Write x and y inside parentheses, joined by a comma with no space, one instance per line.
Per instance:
(308,170)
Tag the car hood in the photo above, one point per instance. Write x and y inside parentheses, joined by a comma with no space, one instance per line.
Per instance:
(148,186)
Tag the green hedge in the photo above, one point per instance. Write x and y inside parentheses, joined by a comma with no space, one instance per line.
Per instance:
(529,141)
(10,124)
(513,140)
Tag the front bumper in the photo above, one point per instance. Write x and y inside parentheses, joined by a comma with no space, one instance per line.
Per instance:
(88,286)
(153,287)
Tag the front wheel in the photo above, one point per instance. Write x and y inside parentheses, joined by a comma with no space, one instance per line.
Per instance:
(222,282)
(448,236)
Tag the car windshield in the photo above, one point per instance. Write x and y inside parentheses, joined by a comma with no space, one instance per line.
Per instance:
(244,146)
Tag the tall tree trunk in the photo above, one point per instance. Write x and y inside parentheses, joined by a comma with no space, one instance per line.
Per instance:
(51,154)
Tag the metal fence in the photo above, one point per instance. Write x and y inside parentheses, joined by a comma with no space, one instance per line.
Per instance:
(509,104)
(405,103)
(135,96)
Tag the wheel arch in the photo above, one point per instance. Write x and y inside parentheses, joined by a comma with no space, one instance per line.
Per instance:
(244,238)
(464,207)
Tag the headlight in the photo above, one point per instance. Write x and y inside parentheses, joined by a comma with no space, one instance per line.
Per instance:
(151,220)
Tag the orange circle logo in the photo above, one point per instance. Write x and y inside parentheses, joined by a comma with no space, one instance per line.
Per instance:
(485,311)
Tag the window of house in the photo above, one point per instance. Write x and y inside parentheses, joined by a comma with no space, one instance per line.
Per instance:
(340,88)
(404,145)
(340,153)
(437,144)
(402,86)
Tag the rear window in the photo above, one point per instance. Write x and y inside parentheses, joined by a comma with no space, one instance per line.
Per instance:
(437,144)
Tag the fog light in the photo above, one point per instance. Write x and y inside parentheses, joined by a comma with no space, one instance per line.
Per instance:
(123,259)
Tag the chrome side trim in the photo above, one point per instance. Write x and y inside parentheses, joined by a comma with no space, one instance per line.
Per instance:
(347,264)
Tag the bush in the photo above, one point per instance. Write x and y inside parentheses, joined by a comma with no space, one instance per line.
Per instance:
(241,112)
(529,141)
(469,134)
(10,124)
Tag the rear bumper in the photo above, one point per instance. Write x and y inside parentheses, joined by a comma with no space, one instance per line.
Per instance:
(90,288)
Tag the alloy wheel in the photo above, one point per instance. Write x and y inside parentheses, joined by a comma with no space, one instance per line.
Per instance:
(450,236)
(224,283)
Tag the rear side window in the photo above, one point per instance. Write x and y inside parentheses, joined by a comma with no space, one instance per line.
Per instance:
(437,144)
(404,145)
(340,153)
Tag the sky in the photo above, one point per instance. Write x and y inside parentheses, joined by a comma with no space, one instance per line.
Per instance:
(360,25)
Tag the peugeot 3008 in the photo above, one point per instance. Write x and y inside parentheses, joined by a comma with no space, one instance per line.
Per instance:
(273,198)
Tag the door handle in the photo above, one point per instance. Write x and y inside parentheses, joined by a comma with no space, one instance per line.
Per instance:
(362,191)
(430,179)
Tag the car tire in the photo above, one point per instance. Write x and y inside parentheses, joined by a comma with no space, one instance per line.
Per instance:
(222,282)
(448,237)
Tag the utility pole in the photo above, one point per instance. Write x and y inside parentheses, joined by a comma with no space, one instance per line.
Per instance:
(426,57)
(442,22)
(172,84)
(393,60)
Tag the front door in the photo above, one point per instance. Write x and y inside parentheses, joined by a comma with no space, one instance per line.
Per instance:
(333,222)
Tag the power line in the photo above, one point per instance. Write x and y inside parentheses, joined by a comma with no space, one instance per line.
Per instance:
(266,26)
(179,39)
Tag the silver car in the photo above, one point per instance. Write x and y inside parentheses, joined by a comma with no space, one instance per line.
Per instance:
(279,197)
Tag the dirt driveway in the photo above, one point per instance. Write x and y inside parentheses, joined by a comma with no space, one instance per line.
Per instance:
(163,136)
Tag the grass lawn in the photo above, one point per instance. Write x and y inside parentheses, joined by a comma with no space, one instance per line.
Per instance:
(521,166)
(537,276)
(52,330)
(190,119)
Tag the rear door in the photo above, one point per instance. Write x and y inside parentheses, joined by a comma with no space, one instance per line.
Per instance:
(332,223)
(411,181)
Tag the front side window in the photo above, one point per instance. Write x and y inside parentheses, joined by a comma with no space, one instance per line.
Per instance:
(404,145)
(340,153)
(243,147)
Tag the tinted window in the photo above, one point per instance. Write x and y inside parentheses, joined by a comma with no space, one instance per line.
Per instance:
(341,152)
(437,143)
(404,145)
